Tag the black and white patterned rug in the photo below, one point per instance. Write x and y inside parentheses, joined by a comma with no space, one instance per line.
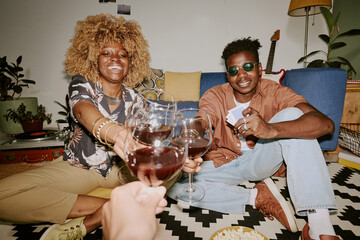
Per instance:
(179,222)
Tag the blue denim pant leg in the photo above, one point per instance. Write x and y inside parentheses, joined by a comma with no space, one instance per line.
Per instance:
(221,192)
(308,178)
(304,161)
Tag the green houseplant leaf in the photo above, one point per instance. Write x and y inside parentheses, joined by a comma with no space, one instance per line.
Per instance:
(330,40)
(11,79)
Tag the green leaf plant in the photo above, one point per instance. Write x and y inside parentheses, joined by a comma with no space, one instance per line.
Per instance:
(331,40)
(65,113)
(22,115)
(11,79)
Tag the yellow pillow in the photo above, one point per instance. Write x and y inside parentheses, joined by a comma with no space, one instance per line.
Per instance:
(101,192)
(183,86)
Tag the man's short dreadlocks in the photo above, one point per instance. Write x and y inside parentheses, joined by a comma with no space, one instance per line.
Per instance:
(241,45)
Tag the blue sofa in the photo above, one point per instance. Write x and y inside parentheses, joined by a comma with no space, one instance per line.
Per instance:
(324,88)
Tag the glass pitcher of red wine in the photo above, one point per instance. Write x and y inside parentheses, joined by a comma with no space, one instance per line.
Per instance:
(150,154)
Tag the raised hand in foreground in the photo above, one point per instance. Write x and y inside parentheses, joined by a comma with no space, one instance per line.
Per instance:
(130,213)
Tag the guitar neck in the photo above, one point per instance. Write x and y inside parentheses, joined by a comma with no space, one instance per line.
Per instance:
(270,60)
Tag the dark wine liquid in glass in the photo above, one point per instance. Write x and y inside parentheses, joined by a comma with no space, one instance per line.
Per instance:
(156,163)
(196,146)
(147,134)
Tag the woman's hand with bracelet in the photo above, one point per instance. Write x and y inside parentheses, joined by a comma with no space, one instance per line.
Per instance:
(119,133)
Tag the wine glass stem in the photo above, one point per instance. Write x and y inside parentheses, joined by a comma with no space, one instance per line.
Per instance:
(190,187)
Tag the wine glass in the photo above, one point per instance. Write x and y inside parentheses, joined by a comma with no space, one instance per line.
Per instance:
(149,153)
(197,134)
(150,115)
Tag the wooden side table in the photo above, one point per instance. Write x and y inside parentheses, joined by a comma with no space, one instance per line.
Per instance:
(351,114)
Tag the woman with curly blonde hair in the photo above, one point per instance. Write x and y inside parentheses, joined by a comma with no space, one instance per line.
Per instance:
(92,36)
(108,57)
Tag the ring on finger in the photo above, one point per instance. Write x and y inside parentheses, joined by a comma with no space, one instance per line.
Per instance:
(238,128)
(245,124)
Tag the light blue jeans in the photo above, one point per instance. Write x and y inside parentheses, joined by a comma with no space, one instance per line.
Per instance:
(308,178)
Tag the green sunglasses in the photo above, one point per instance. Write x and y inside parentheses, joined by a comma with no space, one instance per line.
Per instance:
(234,70)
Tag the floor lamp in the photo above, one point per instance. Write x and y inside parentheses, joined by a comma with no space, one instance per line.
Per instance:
(300,8)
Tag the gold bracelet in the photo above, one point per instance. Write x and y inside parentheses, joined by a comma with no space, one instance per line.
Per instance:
(99,130)
(105,138)
(94,123)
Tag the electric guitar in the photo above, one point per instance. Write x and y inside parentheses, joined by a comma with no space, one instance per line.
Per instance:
(277,77)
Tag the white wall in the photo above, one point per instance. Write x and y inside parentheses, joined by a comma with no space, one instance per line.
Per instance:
(186,35)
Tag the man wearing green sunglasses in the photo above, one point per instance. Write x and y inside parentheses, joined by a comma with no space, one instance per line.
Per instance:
(277,128)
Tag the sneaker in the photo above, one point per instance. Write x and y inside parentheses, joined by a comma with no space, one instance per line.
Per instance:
(72,230)
(270,203)
(306,236)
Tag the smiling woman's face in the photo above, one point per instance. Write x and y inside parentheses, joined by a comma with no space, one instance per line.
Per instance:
(113,63)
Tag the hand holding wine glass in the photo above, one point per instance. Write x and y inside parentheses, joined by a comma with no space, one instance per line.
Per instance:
(197,134)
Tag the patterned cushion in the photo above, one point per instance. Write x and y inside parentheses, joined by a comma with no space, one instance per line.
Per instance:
(154,85)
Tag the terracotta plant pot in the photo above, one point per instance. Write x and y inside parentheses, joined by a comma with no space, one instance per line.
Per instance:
(31,126)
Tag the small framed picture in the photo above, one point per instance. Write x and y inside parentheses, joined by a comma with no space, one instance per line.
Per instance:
(124,9)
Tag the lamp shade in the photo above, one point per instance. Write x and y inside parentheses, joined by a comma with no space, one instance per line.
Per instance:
(297,7)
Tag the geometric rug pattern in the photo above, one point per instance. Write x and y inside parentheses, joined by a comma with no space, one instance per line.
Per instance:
(181,222)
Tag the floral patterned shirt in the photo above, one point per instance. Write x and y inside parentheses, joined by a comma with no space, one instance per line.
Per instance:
(84,150)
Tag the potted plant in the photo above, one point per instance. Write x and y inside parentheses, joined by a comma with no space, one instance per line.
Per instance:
(12,83)
(28,120)
(64,124)
(331,40)
(326,76)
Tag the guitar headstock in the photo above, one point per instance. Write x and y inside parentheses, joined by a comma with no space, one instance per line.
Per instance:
(275,36)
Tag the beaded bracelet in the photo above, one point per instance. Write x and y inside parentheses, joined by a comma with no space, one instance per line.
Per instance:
(94,123)
(105,138)
(99,130)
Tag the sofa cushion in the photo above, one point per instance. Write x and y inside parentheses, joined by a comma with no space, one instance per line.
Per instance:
(101,192)
(211,79)
(183,86)
(152,87)
(323,88)
(187,104)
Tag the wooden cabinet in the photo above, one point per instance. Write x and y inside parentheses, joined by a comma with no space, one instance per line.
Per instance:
(351,113)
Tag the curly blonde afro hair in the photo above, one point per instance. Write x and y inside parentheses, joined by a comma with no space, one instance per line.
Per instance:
(94,33)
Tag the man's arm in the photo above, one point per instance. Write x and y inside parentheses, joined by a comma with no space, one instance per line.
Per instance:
(312,124)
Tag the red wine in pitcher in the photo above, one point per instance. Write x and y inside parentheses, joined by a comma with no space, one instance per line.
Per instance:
(155,163)
(196,146)
(147,135)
